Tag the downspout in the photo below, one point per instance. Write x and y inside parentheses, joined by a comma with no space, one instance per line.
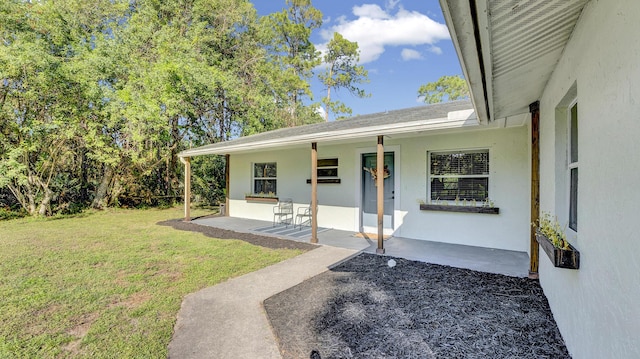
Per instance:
(187,187)
(534,108)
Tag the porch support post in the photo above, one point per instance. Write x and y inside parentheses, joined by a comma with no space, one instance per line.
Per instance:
(534,108)
(227,165)
(314,192)
(187,188)
(380,187)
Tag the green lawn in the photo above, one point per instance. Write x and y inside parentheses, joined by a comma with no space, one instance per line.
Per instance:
(108,284)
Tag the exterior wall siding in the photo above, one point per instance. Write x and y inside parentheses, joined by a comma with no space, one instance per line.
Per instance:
(596,306)
(339,206)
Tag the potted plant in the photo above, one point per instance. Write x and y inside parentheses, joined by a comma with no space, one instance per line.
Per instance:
(553,240)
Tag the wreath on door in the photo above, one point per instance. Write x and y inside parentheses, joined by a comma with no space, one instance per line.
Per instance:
(374,173)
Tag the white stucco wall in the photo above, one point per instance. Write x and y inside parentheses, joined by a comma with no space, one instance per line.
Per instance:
(509,184)
(339,203)
(596,307)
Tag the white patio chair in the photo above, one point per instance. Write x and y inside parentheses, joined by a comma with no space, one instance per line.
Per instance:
(283,212)
(303,212)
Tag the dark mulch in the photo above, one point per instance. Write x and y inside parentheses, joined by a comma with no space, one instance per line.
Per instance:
(365,309)
(263,241)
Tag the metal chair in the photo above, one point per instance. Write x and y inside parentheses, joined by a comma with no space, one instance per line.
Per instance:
(283,212)
(303,212)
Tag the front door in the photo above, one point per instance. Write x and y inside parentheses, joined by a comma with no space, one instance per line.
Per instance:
(370,196)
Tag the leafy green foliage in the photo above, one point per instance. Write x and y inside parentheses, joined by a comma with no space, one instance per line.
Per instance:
(294,56)
(97,98)
(453,87)
(550,228)
(342,71)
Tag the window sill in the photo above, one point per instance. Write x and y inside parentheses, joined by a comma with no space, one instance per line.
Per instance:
(460,209)
(325,180)
(261,199)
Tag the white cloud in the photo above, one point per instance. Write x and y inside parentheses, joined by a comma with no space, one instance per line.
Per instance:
(410,54)
(374,29)
(390,4)
(370,11)
(436,50)
(320,111)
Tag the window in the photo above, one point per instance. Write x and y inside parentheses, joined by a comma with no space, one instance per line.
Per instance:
(573,167)
(264,178)
(328,167)
(460,174)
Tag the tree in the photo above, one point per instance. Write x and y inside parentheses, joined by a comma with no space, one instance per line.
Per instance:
(294,56)
(342,71)
(97,98)
(454,87)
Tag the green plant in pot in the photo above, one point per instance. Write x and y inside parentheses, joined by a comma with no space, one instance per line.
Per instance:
(549,227)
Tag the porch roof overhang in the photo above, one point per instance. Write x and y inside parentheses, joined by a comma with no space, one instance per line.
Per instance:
(398,123)
(509,49)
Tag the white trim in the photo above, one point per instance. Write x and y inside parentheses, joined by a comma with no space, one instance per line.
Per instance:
(570,165)
(253,178)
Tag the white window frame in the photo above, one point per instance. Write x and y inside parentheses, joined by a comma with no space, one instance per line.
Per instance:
(430,176)
(571,165)
(254,177)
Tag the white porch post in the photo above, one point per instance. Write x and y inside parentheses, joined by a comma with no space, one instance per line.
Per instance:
(187,188)
(314,192)
(227,177)
(380,185)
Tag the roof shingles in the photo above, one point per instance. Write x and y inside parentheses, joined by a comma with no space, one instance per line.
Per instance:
(381,119)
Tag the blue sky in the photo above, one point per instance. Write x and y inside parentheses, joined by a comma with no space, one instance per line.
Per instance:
(403,44)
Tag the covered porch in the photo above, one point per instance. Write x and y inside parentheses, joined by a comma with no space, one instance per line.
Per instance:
(511,263)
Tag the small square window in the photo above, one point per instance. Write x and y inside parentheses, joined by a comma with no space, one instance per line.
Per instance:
(328,167)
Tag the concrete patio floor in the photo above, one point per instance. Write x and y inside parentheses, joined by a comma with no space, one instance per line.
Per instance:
(488,260)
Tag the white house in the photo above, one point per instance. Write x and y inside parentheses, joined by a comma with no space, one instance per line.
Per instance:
(578,61)
(555,91)
(432,154)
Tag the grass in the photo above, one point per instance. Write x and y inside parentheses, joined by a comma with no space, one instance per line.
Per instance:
(107,284)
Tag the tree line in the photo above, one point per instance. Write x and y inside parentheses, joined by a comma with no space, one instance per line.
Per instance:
(98,97)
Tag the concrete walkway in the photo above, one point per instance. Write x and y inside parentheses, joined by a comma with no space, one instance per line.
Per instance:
(228,319)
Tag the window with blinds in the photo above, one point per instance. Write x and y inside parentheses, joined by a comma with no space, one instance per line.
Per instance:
(459,174)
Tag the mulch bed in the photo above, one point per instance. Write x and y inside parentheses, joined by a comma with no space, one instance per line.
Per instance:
(365,309)
(263,241)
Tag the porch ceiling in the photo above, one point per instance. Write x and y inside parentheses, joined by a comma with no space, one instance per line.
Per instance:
(509,48)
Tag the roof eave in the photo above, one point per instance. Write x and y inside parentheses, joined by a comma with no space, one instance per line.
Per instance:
(467,31)
(461,119)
